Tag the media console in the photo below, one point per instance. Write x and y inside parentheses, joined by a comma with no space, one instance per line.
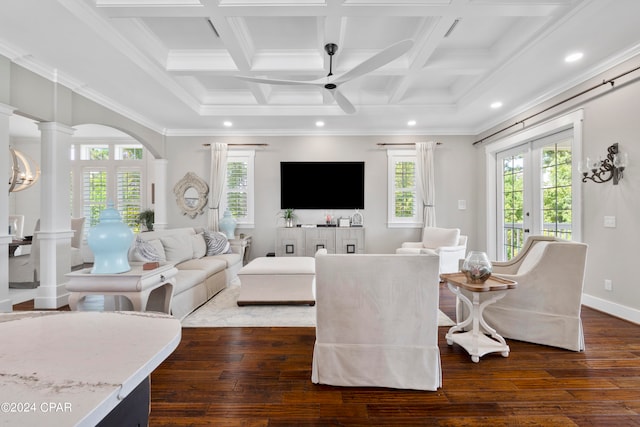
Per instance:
(303,241)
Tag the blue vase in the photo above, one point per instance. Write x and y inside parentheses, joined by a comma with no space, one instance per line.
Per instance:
(228,225)
(110,241)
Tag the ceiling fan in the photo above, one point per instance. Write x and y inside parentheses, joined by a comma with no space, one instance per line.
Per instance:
(331,82)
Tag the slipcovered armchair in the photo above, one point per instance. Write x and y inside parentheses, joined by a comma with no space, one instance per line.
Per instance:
(545,306)
(77,225)
(377,321)
(24,270)
(444,242)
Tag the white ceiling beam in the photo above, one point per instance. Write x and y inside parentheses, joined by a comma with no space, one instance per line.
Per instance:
(428,40)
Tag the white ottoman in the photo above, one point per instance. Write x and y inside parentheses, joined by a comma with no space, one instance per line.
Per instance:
(278,280)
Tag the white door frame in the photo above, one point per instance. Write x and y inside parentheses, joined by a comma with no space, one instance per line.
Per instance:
(567,121)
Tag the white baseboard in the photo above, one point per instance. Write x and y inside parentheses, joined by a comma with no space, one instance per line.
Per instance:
(612,308)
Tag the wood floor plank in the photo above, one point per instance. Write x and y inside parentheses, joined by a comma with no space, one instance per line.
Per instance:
(261,377)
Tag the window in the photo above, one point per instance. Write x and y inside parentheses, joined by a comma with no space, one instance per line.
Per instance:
(108,172)
(238,192)
(403,198)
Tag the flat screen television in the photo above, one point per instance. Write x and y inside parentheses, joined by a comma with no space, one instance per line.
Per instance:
(322,185)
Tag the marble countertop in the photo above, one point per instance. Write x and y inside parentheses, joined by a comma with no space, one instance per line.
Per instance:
(73,368)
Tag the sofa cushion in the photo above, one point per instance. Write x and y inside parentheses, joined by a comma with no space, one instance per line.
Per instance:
(230,259)
(217,243)
(199,246)
(187,279)
(177,247)
(210,265)
(434,237)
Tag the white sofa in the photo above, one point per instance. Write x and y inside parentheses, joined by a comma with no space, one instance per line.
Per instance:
(447,243)
(377,321)
(199,276)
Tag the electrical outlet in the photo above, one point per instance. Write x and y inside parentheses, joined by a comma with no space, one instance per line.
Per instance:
(608,286)
(610,221)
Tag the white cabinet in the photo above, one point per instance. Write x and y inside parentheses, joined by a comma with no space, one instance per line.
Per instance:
(301,241)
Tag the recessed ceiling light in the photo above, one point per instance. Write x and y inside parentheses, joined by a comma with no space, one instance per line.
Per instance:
(411,123)
(319,123)
(496,104)
(573,57)
(227,124)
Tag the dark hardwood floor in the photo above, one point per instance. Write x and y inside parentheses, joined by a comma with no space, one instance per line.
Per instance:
(261,377)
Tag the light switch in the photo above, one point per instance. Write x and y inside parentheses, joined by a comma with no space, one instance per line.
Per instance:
(462,205)
(610,221)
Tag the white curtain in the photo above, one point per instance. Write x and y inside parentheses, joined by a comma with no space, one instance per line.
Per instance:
(426,180)
(217,179)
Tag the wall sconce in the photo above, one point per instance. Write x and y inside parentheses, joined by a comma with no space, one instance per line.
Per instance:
(607,169)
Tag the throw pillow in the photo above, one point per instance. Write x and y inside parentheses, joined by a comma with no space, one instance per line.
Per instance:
(217,243)
(199,246)
(145,250)
(177,247)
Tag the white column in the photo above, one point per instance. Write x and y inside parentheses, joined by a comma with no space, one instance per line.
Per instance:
(5,239)
(55,218)
(160,206)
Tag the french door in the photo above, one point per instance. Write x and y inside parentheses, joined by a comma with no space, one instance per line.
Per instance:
(535,191)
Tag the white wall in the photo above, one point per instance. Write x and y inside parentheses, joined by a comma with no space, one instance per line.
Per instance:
(454,181)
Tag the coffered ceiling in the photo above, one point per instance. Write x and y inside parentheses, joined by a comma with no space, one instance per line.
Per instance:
(172,65)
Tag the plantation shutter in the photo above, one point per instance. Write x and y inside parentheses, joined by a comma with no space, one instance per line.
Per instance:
(129,195)
(237,189)
(405,190)
(94,194)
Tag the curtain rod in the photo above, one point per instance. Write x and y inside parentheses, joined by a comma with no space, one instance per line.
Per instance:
(604,82)
(240,145)
(401,143)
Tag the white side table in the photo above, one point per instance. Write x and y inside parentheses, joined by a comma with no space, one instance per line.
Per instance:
(144,288)
(475,341)
(243,241)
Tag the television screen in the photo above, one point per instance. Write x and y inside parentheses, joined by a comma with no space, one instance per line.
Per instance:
(322,185)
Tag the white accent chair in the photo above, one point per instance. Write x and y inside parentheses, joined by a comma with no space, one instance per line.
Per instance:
(24,270)
(444,242)
(545,306)
(17,225)
(377,321)
(77,225)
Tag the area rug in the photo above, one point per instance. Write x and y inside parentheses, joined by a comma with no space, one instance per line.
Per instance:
(222,311)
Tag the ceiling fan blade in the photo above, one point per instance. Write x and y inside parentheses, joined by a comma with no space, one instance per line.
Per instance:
(376,61)
(278,81)
(343,102)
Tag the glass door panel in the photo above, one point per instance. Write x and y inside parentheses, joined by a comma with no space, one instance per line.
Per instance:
(534,192)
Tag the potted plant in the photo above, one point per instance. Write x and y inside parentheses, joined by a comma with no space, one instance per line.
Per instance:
(289,216)
(146,218)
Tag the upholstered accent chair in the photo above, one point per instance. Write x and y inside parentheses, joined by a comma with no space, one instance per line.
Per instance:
(77,225)
(17,225)
(377,321)
(545,306)
(24,270)
(447,243)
